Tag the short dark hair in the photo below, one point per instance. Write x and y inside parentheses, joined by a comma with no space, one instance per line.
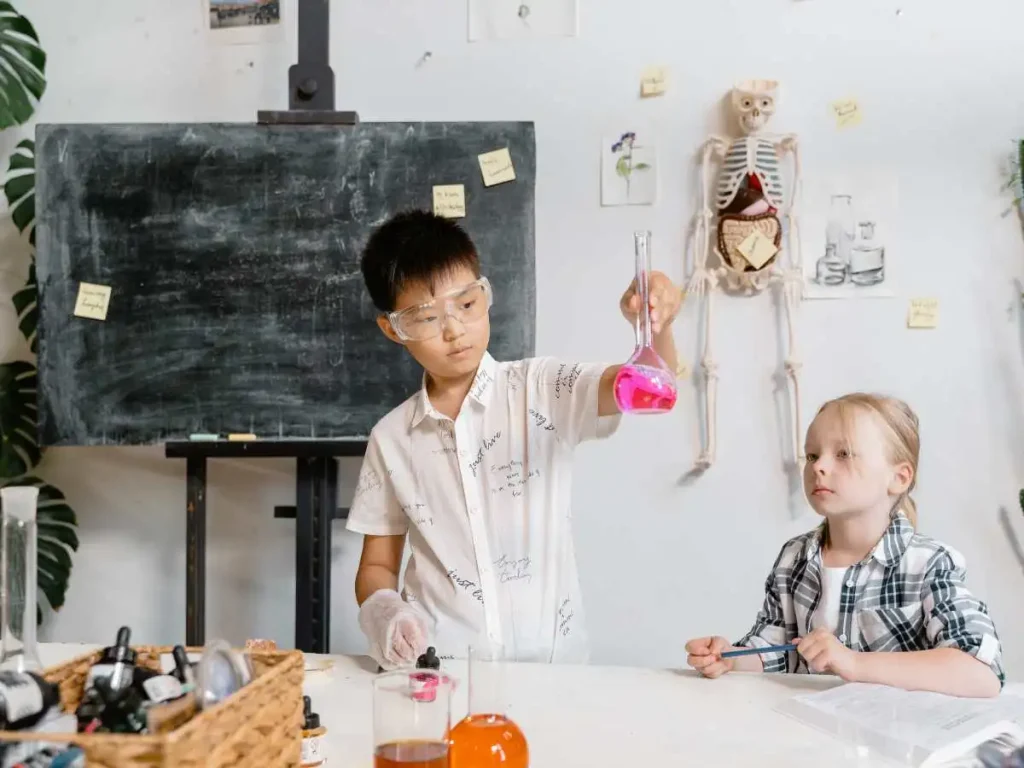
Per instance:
(410,247)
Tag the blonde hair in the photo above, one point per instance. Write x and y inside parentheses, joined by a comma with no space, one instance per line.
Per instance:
(901,426)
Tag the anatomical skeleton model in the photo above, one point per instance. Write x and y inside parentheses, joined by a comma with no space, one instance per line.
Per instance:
(750,197)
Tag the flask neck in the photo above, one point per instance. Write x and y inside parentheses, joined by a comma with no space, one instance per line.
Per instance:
(642,248)
(487,691)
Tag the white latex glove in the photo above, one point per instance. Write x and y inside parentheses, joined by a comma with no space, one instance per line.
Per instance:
(397,631)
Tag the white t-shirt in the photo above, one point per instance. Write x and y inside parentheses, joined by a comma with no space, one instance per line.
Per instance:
(486,502)
(827,612)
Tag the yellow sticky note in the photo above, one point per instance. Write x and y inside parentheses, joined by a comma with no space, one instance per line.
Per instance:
(757,249)
(496,167)
(92,301)
(846,112)
(923,313)
(450,200)
(653,81)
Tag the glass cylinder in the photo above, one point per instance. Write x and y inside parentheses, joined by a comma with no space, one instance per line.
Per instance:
(411,719)
(18,543)
(645,383)
(841,230)
(487,736)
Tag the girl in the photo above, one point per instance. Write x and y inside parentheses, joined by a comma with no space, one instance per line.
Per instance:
(864,583)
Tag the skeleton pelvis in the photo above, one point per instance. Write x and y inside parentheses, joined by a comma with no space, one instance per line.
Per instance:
(734,228)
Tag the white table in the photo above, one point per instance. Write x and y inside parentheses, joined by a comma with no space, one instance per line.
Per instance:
(593,716)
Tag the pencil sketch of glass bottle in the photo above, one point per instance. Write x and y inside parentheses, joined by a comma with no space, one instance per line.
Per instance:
(867,259)
(832,268)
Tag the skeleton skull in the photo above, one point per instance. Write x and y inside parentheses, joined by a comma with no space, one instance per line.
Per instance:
(754,103)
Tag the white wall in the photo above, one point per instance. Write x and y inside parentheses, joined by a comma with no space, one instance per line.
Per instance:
(662,559)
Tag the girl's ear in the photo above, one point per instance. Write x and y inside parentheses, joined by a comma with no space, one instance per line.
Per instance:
(902,478)
(385,327)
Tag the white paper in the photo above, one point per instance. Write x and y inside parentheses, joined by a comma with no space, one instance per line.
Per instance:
(909,726)
(629,170)
(522,19)
(846,232)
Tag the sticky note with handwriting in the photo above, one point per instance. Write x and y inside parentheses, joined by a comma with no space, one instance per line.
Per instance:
(923,313)
(450,200)
(653,81)
(757,249)
(847,113)
(496,167)
(92,301)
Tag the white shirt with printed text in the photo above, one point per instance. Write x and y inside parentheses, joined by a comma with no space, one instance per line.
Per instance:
(486,503)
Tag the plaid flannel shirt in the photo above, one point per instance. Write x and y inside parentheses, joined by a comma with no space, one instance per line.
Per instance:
(908,594)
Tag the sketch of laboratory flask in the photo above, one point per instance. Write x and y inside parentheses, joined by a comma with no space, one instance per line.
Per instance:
(867,258)
(830,269)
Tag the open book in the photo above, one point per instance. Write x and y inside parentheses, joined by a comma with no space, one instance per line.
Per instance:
(916,728)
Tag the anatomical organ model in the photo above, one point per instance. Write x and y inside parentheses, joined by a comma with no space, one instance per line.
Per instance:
(751,203)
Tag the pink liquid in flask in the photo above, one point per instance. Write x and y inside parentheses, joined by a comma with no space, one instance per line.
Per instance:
(644,384)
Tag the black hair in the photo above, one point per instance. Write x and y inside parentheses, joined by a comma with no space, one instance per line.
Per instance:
(410,247)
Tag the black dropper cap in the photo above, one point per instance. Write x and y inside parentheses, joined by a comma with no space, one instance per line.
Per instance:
(429,660)
(121,651)
(182,666)
(312,721)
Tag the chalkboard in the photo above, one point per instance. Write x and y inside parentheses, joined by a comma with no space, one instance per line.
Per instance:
(232,256)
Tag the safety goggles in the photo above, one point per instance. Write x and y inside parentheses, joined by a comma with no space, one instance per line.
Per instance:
(425,321)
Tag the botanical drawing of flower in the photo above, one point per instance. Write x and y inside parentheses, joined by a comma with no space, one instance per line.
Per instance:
(624,166)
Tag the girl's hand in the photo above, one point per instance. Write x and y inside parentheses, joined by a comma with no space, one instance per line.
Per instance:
(705,655)
(824,653)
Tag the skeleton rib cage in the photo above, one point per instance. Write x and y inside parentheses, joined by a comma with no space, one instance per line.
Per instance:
(746,155)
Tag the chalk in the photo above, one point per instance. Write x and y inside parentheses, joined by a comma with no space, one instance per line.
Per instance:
(203,436)
(242,436)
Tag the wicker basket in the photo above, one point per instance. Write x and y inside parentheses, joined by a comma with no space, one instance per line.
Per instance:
(258,727)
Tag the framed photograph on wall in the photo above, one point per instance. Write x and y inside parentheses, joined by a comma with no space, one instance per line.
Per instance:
(243,22)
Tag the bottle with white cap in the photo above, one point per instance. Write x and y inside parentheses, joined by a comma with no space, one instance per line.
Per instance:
(18,651)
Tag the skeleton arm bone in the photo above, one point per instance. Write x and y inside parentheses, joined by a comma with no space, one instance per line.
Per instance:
(792,287)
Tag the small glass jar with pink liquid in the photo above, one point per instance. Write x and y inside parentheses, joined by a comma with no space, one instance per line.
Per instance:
(644,384)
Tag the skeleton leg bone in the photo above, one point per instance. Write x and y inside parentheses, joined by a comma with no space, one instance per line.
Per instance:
(703,284)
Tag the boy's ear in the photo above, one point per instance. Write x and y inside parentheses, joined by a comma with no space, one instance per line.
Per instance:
(387,330)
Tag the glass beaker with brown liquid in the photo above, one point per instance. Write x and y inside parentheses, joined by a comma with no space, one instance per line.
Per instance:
(411,719)
(487,736)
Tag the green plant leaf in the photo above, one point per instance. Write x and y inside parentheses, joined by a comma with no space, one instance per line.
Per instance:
(622,168)
(1020,499)
(20,188)
(56,539)
(27,308)
(641,166)
(22,68)
(19,452)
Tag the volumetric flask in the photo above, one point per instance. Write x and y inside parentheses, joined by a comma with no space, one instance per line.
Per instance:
(411,719)
(644,384)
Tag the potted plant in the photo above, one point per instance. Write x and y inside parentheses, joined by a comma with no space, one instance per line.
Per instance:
(22,83)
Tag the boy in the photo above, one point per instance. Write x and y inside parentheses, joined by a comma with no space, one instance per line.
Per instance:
(476,467)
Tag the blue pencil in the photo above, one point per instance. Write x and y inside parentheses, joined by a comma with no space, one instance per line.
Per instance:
(749,651)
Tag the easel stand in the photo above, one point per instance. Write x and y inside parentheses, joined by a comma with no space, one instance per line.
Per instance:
(316,506)
(310,102)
